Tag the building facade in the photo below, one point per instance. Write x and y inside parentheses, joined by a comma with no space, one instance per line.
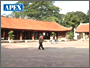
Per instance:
(83,30)
(31,29)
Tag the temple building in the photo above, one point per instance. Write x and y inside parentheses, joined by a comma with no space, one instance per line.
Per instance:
(83,30)
(31,29)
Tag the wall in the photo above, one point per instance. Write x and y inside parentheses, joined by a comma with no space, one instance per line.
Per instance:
(62,35)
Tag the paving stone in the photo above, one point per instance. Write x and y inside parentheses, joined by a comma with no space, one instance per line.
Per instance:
(11,65)
(4,64)
(44,65)
(52,56)
(68,64)
(77,65)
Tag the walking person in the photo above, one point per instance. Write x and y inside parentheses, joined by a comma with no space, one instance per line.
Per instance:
(40,42)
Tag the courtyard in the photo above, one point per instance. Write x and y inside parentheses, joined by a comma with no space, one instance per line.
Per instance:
(62,54)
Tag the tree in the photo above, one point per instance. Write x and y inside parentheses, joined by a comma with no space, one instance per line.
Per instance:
(71,20)
(87,17)
(53,18)
(60,19)
(82,16)
(71,35)
(21,13)
(39,10)
(53,34)
(11,35)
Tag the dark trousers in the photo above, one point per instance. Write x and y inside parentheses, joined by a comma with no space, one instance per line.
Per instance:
(40,45)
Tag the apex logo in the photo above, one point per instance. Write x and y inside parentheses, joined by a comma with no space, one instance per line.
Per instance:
(13,7)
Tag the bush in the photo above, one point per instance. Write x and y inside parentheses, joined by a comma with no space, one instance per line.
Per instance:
(53,34)
(11,35)
(71,35)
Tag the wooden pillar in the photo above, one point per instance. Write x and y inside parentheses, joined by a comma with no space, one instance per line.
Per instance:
(21,35)
(4,34)
(33,36)
(42,37)
(8,36)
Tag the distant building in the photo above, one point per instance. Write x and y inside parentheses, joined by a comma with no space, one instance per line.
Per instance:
(83,30)
(31,29)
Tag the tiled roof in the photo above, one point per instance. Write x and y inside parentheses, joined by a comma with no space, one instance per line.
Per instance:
(14,23)
(83,28)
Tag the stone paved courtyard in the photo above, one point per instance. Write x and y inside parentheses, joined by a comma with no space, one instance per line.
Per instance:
(63,54)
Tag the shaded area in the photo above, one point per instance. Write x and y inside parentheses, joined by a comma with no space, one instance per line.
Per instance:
(50,57)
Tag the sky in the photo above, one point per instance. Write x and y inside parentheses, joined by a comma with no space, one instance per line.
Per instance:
(65,6)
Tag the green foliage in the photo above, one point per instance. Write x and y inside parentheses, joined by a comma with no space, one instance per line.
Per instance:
(53,34)
(46,11)
(71,20)
(51,19)
(39,10)
(71,35)
(82,16)
(11,35)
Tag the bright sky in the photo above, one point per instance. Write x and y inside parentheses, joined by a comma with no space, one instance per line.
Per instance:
(66,6)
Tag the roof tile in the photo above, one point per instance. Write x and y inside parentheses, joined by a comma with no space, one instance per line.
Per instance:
(83,28)
(28,24)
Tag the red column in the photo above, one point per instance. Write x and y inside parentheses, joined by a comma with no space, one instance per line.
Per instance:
(21,36)
(4,34)
(42,37)
(8,36)
(33,37)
